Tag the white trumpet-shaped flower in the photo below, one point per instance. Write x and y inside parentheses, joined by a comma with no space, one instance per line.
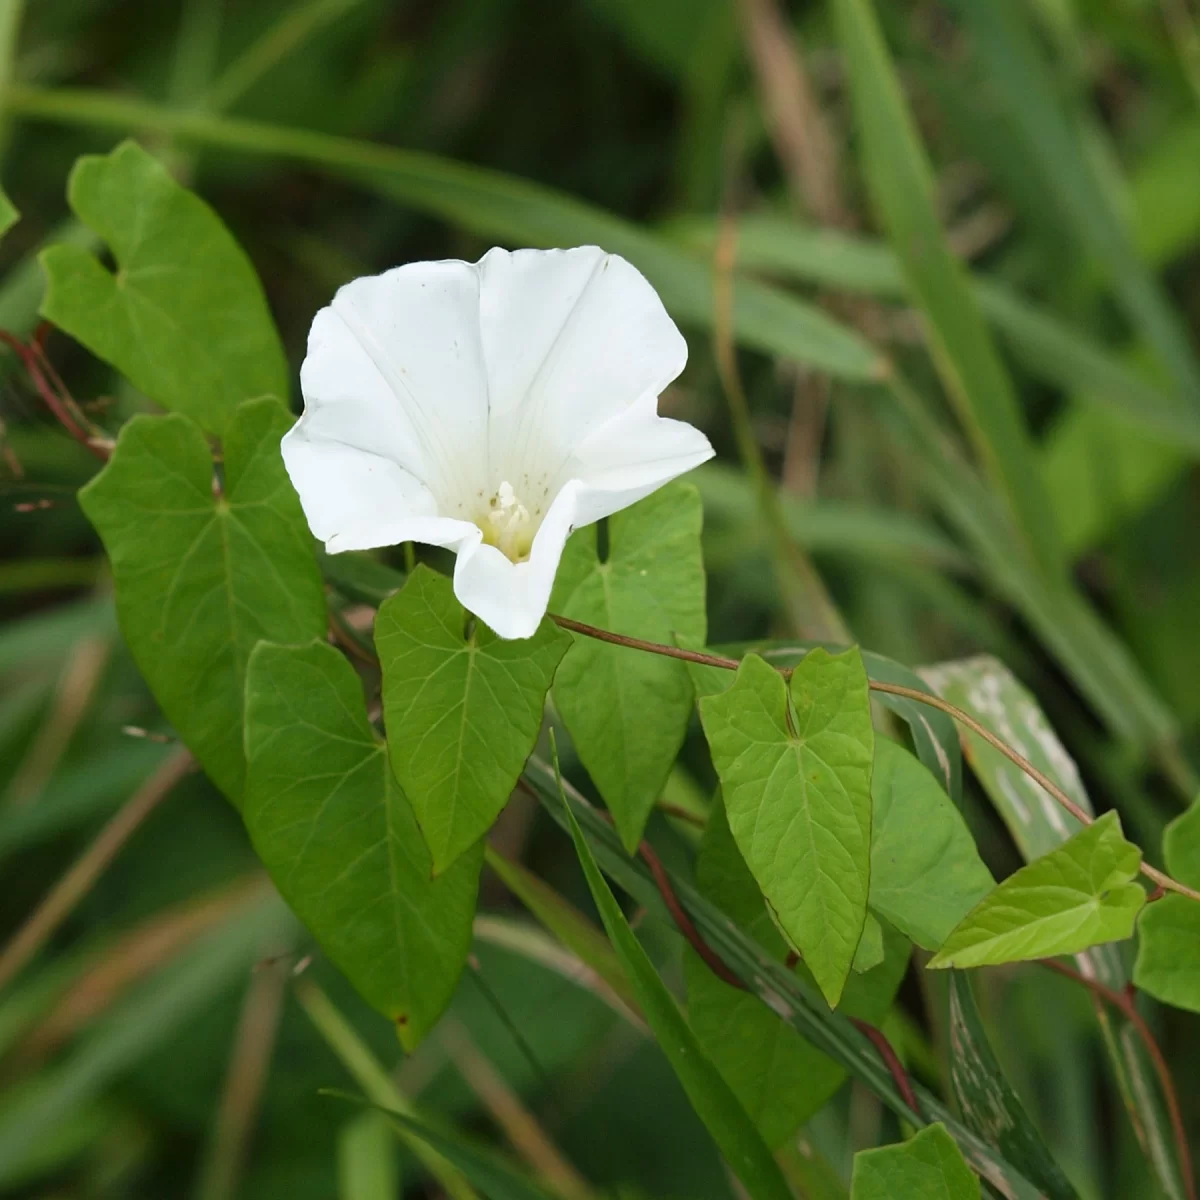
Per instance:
(490,408)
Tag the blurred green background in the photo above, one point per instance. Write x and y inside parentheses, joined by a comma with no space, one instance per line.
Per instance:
(155,1046)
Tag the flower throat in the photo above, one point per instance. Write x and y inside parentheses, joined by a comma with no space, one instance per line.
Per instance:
(507,524)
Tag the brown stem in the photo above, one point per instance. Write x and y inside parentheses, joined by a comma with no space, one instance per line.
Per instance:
(878,1039)
(240,1107)
(727,974)
(662,881)
(38,368)
(343,633)
(1084,817)
(963,718)
(804,144)
(1126,1003)
(523,1130)
(679,813)
(620,639)
(78,880)
(894,689)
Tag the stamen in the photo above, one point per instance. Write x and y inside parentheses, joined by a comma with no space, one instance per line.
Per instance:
(507,525)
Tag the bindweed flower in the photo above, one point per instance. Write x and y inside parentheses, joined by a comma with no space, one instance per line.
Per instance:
(490,408)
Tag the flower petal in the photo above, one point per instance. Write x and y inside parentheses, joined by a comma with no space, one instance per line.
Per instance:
(511,598)
(395,366)
(631,456)
(356,500)
(570,338)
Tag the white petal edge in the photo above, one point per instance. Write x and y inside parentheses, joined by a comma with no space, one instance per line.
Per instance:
(356,500)
(633,455)
(395,366)
(577,347)
(570,338)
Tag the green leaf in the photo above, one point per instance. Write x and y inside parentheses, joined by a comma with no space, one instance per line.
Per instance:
(926,873)
(184,317)
(790,997)
(8,214)
(928,1166)
(200,578)
(627,711)
(869,953)
(986,1098)
(902,189)
(795,768)
(933,733)
(464,709)
(340,841)
(780,1077)
(1168,959)
(1181,846)
(723,1117)
(1077,896)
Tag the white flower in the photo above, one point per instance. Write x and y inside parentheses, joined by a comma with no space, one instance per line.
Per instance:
(491,408)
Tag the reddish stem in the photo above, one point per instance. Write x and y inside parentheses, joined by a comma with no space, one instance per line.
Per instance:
(724,972)
(52,390)
(1126,1003)
(632,643)
(662,881)
(892,1059)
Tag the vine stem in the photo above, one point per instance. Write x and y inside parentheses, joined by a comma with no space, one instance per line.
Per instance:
(54,393)
(723,971)
(895,689)
(1125,1003)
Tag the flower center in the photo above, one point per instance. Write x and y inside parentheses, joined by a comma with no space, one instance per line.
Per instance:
(507,524)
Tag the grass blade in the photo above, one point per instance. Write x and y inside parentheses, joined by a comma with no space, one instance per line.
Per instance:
(987,690)
(1023,84)
(493,205)
(901,185)
(1050,348)
(370,1075)
(494,1177)
(772,981)
(716,1105)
